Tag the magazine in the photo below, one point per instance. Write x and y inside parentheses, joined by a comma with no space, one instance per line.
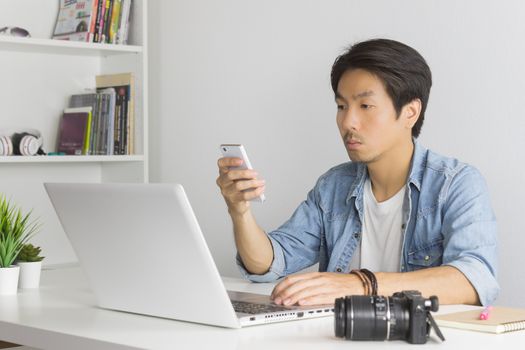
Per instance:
(76,20)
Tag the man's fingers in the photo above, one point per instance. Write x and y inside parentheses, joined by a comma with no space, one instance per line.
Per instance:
(309,293)
(297,290)
(227,162)
(314,291)
(234,175)
(248,185)
(285,283)
(249,195)
(319,299)
(225,165)
(238,186)
(241,190)
(290,281)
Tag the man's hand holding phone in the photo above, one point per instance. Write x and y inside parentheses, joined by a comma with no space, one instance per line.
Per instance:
(237,180)
(239,185)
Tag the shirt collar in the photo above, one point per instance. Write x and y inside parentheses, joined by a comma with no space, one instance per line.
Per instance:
(417,165)
(359,183)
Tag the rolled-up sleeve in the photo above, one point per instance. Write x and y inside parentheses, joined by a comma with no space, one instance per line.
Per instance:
(295,244)
(470,232)
(275,271)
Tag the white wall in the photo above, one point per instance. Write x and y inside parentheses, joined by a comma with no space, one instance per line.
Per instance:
(257,73)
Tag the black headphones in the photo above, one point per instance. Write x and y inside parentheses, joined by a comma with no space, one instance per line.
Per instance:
(25,143)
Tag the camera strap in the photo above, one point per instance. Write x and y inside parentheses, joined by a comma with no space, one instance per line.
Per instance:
(434,326)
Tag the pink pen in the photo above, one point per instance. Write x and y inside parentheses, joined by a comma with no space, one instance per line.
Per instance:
(484,315)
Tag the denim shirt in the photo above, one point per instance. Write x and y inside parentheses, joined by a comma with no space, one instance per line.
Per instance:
(447,220)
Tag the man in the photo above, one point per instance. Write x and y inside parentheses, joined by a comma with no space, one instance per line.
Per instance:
(419,220)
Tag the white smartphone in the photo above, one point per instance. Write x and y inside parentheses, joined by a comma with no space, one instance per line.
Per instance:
(238,151)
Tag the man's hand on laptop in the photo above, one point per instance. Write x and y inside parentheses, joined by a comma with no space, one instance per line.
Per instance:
(238,186)
(315,288)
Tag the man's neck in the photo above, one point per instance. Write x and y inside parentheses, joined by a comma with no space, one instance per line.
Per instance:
(389,173)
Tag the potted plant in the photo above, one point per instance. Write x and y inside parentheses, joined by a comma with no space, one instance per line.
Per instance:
(30,263)
(15,230)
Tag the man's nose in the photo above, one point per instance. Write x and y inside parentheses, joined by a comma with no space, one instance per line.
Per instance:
(350,120)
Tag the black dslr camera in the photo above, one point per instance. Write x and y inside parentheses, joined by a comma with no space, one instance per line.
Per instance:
(404,316)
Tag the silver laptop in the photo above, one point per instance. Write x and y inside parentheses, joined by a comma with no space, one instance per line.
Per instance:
(143,251)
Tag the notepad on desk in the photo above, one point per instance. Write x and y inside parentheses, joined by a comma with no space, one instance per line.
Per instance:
(501,320)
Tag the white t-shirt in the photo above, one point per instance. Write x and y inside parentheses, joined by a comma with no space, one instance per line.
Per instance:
(382,234)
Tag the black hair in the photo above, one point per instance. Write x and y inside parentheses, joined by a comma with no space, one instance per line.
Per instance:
(403,71)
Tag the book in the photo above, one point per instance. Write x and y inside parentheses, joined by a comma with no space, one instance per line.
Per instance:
(108,121)
(107,20)
(501,320)
(91,36)
(74,130)
(115,19)
(74,20)
(100,12)
(88,100)
(100,125)
(121,112)
(124,123)
(122,33)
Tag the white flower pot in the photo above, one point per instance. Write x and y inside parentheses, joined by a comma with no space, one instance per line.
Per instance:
(9,280)
(29,274)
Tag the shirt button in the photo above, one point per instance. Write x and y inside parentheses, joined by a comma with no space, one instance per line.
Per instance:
(339,269)
(427,258)
(403,226)
(356,235)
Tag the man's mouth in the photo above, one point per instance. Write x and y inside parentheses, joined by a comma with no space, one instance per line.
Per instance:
(352,144)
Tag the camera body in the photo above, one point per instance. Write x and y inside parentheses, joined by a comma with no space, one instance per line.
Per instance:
(418,325)
(403,316)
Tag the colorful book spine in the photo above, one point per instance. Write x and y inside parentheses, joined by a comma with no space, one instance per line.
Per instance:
(122,36)
(107,20)
(87,135)
(94,12)
(115,18)
(100,20)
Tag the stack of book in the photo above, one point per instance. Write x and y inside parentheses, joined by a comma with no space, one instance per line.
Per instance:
(108,121)
(98,21)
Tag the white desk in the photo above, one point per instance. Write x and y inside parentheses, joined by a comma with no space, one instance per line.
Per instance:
(63,315)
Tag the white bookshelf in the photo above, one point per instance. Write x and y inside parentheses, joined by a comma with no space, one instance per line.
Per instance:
(38,76)
(72,159)
(49,46)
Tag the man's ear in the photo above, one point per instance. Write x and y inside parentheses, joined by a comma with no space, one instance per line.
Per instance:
(411,112)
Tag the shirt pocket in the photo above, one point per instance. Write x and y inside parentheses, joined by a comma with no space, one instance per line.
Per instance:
(429,256)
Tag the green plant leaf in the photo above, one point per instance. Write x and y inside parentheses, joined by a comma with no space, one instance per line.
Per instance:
(16,230)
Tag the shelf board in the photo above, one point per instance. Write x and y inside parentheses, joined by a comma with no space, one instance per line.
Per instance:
(70,159)
(50,46)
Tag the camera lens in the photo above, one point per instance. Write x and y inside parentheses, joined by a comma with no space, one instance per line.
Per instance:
(340,317)
(359,317)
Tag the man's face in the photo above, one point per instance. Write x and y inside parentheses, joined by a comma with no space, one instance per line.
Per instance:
(366,117)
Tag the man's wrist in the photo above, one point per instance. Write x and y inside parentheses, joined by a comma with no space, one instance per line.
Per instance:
(357,287)
(368,281)
(239,215)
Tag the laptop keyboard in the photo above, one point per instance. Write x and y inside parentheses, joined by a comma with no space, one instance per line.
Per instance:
(251,308)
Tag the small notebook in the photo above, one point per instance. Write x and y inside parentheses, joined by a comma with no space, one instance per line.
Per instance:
(501,320)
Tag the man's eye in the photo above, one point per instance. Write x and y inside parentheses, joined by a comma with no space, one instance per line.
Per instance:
(365,106)
(341,107)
